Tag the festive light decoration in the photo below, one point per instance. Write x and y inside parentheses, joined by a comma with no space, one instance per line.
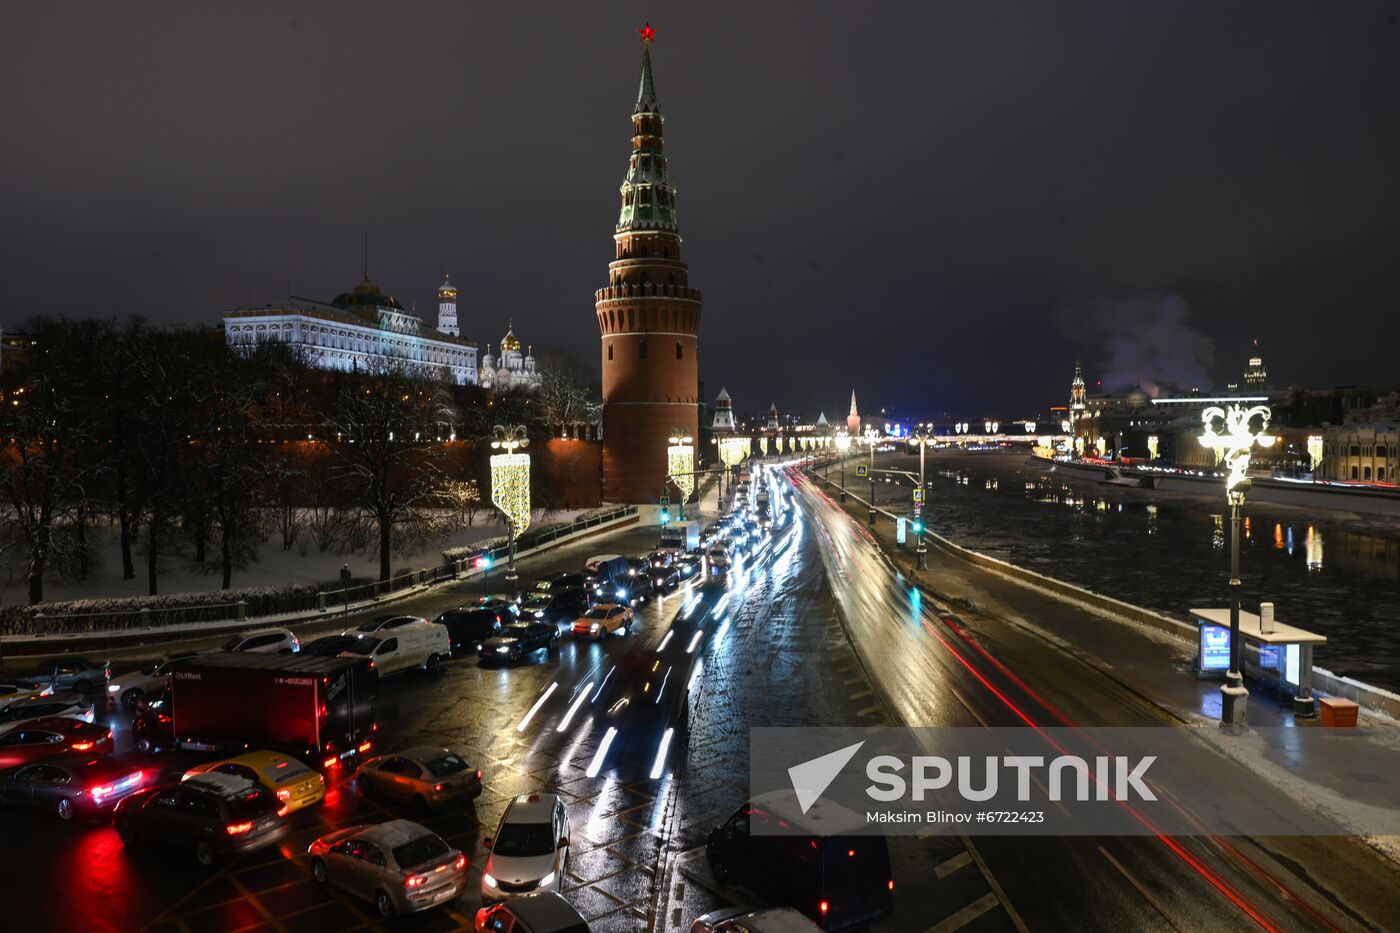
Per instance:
(763,445)
(1152,446)
(732,450)
(510,477)
(1315,450)
(1228,433)
(1030,427)
(843,441)
(680,462)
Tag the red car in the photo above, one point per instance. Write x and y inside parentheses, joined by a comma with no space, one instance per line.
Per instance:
(43,738)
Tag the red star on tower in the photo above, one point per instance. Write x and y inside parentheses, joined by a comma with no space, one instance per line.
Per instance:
(647,32)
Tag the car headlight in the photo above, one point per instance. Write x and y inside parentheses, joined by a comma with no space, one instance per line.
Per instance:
(504,649)
(113,688)
(488,879)
(547,880)
(593,627)
(621,594)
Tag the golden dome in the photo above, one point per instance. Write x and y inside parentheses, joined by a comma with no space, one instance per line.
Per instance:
(508,342)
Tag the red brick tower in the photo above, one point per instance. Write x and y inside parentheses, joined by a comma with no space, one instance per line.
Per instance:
(649,317)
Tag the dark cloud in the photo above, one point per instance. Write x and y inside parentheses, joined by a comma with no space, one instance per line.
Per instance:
(899,196)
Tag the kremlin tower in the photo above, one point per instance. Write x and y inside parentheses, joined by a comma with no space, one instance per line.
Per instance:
(853,419)
(447,308)
(724,414)
(649,318)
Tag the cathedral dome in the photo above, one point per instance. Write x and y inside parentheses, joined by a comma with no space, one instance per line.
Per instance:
(1138,398)
(509,342)
(366,295)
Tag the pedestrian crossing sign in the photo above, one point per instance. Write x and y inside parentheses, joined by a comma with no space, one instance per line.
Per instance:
(918,495)
(862,470)
(665,500)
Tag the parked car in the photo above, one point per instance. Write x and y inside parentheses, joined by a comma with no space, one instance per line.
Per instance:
(563,606)
(382,622)
(294,784)
(153,729)
(530,851)
(37,739)
(426,776)
(263,641)
(744,920)
(212,815)
(399,866)
(20,691)
(469,626)
(558,583)
(77,674)
(838,880)
(25,709)
(70,785)
(603,620)
(520,639)
(421,645)
(533,913)
(131,687)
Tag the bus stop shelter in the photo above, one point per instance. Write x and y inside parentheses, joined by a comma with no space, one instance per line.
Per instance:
(1282,657)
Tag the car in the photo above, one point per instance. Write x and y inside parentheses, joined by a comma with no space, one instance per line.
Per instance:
(20,691)
(153,728)
(469,626)
(530,851)
(69,705)
(399,866)
(687,566)
(564,606)
(37,739)
(808,857)
(718,561)
(380,623)
(330,646)
(70,785)
(77,674)
(264,641)
(744,920)
(293,783)
(212,815)
(129,688)
(603,620)
(520,639)
(425,776)
(558,583)
(420,645)
(533,913)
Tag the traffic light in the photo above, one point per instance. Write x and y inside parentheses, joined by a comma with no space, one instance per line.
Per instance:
(665,516)
(918,526)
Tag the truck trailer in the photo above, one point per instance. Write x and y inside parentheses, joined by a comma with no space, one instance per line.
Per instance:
(321,708)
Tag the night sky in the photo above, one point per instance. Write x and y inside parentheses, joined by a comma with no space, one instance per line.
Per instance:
(940,204)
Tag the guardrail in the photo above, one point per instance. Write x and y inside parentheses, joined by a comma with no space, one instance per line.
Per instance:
(312,600)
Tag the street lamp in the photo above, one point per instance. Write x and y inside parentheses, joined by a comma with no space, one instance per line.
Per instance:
(870,440)
(510,489)
(680,466)
(1229,433)
(843,444)
(923,437)
(731,452)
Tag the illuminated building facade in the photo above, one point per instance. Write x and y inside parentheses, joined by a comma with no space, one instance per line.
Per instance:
(512,369)
(361,330)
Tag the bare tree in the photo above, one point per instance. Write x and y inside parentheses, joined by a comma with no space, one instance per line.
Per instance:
(463,497)
(568,393)
(387,454)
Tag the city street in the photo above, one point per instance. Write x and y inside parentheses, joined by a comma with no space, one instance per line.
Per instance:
(816,612)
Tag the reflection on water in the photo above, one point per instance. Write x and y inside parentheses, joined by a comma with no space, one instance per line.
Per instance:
(1171,554)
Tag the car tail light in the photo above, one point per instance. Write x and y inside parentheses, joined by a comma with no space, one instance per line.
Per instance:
(365,746)
(478,774)
(462,863)
(413,881)
(331,762)
(891,884)
(283,810)
(824,907)
(238,829)
(438,787)
(82,746)
(284,794)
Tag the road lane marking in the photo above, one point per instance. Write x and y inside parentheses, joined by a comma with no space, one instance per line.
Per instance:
(868,711)
(965,916)
(1139,887)
(953,864)
(861,695)
(995,886)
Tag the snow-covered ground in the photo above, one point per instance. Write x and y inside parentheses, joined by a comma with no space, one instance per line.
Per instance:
(274,565)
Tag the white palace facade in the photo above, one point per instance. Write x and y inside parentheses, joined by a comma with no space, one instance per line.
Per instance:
(360,330)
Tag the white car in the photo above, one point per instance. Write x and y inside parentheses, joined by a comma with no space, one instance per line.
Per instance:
(530,851)
(68,705)
(264,641)
(420,644)
(743,920)
(131,687)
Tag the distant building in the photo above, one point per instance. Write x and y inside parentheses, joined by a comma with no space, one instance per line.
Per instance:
(724,413)
(1362,451)
(774,423)
(1256,378)
(853,419)
(360,330)
(512,369)
(447,308)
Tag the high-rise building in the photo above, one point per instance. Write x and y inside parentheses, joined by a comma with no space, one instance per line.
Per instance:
(1256,378)
(649,317)
(447,308)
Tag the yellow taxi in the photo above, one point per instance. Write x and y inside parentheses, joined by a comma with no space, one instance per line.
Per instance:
(294,783)
(603,620)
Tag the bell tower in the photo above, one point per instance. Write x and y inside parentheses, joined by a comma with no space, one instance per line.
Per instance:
(648,315)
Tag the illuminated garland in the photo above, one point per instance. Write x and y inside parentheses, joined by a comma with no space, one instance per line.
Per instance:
(510,489)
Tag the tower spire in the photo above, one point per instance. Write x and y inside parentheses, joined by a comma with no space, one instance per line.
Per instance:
(646,89)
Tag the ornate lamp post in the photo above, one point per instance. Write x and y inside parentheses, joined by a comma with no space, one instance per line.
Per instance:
(843,444)
(510,489)
(680,466)
(1231,435)
(923,437)
(871,440)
